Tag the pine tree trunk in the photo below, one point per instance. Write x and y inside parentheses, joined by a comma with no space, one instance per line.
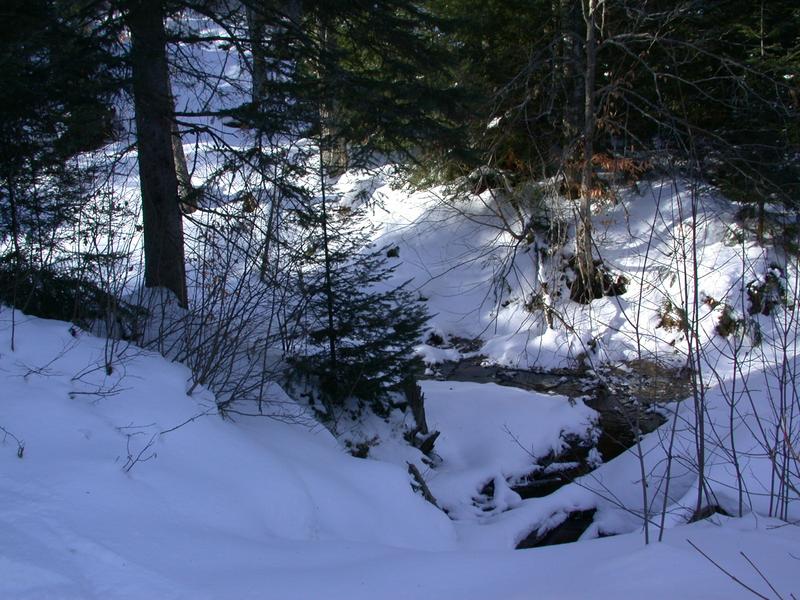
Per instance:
(334,150)
(186,192)
(333,375)
(257,32)
(587,286)
(569,80)
(258,29)
(572,70)
(163,228)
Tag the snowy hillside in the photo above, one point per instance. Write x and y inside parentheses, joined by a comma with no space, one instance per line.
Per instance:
(399,300)
(109,501)
(461,252)
(120,485)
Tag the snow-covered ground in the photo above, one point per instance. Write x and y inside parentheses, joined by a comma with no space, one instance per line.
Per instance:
(129,488)
(118,484)
(461,252)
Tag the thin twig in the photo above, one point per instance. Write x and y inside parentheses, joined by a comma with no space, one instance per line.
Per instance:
(728,573)
(757,570)
(20,443)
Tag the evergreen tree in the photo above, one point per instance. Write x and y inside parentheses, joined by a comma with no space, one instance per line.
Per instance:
(706,89)
(358,330)
(357,78)
(58,79)
(492,45)
(164,262)
(373,81)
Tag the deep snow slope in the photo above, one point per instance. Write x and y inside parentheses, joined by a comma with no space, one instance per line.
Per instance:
(130,488)
(108,493)
(480,281)
(257,508)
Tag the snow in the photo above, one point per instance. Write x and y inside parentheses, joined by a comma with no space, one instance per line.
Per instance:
(491,432)
(258,508)
(477,277)
(129,487)
(132,485)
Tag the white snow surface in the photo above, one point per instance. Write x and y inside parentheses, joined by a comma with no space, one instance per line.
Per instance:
(459,253)
(492,432)
(257,508)
(130,488)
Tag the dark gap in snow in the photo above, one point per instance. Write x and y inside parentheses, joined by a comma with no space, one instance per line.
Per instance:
(569,530)
(709,511)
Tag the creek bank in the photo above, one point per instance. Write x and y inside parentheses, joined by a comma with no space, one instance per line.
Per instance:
(628,399)
(570,529)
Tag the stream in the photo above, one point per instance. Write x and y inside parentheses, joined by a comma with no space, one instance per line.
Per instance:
(629,399)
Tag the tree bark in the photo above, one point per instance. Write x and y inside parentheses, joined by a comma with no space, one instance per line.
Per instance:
(163,227)
(587,286)
(333,338)
(570,78)
(334,148)
(571,72)
(186,192)
(257,30)
(423,487)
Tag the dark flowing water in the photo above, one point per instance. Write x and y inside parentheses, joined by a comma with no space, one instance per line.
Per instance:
(629,400)
(626,398)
